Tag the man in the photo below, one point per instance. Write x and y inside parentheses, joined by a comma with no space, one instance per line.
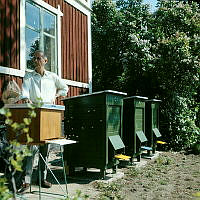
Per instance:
(46,86)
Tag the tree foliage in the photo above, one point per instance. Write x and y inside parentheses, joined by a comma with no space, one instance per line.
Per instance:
(105,26)
(154,55)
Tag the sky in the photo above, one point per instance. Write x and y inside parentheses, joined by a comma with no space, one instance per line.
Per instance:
(152,4)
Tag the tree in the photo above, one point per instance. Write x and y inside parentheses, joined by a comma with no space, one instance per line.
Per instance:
(106,44)
(177,28)
(154,55)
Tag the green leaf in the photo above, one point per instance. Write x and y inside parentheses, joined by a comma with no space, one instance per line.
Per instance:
(3,111)
(26,130)
(29,139)
(27,121)
(32,114)
(8,114)
(8,121)
(16,165)
(15,125)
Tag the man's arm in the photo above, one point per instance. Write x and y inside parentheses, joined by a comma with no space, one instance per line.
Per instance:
(62,88)
(25,97)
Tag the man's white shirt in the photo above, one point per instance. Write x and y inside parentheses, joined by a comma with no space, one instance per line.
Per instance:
(44,87)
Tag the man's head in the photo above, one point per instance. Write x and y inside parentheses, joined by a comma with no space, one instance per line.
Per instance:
(39,59)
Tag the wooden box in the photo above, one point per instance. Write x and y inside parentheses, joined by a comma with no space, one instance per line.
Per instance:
(46,125)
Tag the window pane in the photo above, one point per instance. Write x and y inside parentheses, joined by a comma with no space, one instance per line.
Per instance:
(32,16)
(41,27)
(32,44)
(49,49)
(49,23)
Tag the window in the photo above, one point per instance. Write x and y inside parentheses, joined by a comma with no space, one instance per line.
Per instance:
(41,33)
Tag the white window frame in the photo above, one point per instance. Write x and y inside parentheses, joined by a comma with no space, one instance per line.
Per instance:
(53,10)
(81,5)
(21,72)
(11,71)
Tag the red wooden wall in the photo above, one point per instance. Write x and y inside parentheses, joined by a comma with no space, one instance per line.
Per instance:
(74,42)
(9,33)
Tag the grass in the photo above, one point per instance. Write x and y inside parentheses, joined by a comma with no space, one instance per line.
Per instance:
(133,172)
(163,182)
(163,160)
(109,190)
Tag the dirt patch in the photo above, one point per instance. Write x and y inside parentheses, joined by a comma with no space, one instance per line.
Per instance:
(170,176)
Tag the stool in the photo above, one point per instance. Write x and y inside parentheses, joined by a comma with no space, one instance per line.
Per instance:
(61,143)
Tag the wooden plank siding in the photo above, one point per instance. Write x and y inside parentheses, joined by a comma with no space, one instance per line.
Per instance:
(74,42)
(9,34)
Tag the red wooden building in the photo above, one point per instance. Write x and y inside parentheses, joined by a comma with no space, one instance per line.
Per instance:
(62,28)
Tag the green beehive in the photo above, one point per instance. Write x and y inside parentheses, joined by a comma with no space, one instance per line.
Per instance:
(152,122)
(134,125)
(95,121)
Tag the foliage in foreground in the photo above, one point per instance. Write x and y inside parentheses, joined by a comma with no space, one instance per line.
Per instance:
(14,153)
(4,191)
(78,196)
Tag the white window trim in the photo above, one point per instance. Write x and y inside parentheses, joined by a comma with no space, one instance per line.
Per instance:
(21,72)
(22,36)
(18,72)
(81,5)
(59,41)
(85,8)
(76,83)
(12,71)
(89,54)
(48,7)
(86,4)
